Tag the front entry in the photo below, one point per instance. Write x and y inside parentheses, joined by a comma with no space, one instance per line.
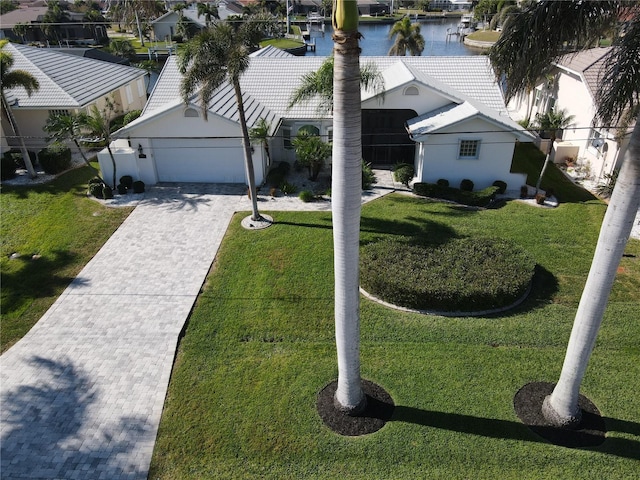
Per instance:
(384,138)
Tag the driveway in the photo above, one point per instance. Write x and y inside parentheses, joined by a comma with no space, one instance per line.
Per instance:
(82,393)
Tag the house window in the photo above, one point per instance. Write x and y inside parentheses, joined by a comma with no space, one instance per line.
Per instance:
(141,90)
(329,135)
(53,113)
(538,97)
(411,91)
(551,103)
(129,93)
(286,138)
(309,130)
(191,113)
(468,149)
(596,142)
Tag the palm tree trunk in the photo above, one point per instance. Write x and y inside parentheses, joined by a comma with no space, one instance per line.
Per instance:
(561,407)
(346,192)
(546,163)
(248,159)
(113,164)
(16,131)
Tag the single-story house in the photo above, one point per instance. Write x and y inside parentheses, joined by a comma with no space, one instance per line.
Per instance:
(444,114)
(165,26)
(572,86)
(68,83)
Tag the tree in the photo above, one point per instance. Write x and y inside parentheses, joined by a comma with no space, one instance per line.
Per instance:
(53,18)
(260,132)
(209,12)
(531,41)
(346,191)
(12,79)
(407,38)
(69,127)
(215,56)
(98,124)
(122,47)
(320,84)
(21,29)
(7,6)
(551,122)
(311,152)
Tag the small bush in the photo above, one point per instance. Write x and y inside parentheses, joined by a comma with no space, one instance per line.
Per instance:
(403,173)
(126,181)
(277,174)
(122,190)
(368,177)
(288,188)
(131,116)
(95,189)
(95,180)
(462,275)
(443,182)
(138,186)
(8,166)
(55,158)
(306,196)
(481,198)
(502,186)
(466,185)
(107,192)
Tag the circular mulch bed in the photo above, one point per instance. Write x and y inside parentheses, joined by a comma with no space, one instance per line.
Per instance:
(378,411)
(590,432)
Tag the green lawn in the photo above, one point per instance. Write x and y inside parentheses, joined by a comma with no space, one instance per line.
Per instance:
(259,346)
(484,36)
(60,224)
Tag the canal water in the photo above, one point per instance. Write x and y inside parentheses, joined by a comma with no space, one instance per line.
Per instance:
(376,41)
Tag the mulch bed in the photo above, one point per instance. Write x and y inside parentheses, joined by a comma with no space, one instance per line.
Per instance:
(378,411)
(590,432)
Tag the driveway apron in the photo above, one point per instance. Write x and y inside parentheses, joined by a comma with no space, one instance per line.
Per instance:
(82,393)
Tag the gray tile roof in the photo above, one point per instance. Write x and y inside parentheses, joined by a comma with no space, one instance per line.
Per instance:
(66,81)
(270,79)
(589,64)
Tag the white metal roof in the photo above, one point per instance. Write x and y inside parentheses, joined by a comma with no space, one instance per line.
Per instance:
(66,81)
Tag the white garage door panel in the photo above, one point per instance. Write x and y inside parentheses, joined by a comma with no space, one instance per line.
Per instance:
(198,162)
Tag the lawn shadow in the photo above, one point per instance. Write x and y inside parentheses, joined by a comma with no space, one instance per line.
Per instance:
(510,430)
(36,278)
(48,432)
(418,230)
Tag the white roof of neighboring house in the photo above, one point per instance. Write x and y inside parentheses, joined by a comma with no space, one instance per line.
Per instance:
(66,81)
(271,78)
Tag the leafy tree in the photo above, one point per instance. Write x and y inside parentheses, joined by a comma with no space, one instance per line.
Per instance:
(7,6)
(320,84)
(21,30)
(260,132)
(531,41)
(11,79)
(209,12)
(122,47)
(98,124)
(216,56)
(55,15)
(407,38)
(551,122)
(311,152)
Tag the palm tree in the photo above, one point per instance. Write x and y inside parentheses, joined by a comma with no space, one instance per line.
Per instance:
(69,127)
(209,12)
(407,38)
(320,84)
(345,203)
(260,132)
(551,122)
(531,41)
(13,79)
(215,56)
(97,123)
(53,18)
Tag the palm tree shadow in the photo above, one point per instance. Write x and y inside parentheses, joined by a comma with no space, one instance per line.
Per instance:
(45,428)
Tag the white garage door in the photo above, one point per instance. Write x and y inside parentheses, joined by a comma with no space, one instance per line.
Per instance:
(199,161)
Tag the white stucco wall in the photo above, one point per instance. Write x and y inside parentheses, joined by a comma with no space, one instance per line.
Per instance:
(162,29)
(437,157)
(424,102)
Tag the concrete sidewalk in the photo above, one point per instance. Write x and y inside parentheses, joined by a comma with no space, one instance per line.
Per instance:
(82,393)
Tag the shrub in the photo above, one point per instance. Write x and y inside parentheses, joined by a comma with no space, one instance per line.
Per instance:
(138,186)
(126,181)
(95,189)
(131,116)
(55,158)
(605,189)
(8,166)
(502,186)
(306,196)
(403,173)
(466,185)
(368,177)
(481,198)
(288,188)
(443,182)
(107,192)
(462,275)
(122,190)
(277,174)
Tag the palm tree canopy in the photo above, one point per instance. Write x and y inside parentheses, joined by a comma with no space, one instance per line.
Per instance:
(319,84)
(553,121)
(407,38)
(14,78)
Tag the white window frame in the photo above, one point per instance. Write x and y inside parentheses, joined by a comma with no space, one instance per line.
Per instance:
(129,94)
(467,144)
(141,89)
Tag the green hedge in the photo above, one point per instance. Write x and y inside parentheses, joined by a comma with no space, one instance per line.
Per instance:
(55,158)
(480,198)
(462,275)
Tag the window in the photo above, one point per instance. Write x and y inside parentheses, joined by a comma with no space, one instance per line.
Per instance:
(129,93)
(308,130)
(551,103)
(286,137)
(468,149)
(141,90)
(191,113)
(329,135)
(538,97)
(411,91)
(58,112)
(596,142)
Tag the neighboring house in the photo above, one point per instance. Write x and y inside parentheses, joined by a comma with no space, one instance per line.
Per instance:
(446,115)
(572,86)
(165,26)
(75,31)
(68,83)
